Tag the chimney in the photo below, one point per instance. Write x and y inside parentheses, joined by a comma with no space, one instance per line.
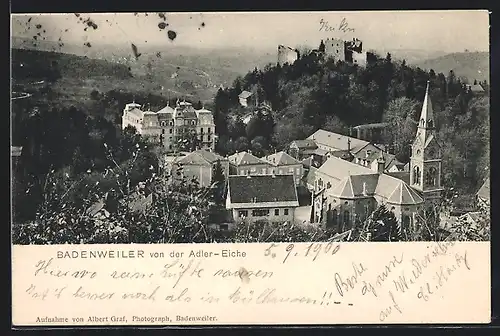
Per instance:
(381,163)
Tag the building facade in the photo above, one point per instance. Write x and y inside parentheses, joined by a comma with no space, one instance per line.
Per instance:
(282,163)
(244,163)
(271,198)
(199,166)
(171,126)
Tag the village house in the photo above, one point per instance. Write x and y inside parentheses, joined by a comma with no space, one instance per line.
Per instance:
(347,193)
(245,98)
(483,195)
(170,125)
(282,163)
(302,149)
(252,198)
(476,89)
(244,163)
(199,166)
(323,144)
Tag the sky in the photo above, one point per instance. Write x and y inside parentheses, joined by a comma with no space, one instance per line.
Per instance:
(448,31)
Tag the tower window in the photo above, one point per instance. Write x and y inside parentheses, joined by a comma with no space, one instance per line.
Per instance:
(416,175)
(431,178)
(429,123)
(422,122)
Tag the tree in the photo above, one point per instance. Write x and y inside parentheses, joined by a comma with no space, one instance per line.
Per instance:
(218,183)
(381,226)
(401,114)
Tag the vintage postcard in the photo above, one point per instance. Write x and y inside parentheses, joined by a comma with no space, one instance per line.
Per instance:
(247,168)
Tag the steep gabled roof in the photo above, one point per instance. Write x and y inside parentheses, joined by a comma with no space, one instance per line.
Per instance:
(244,158)
(305,144)
(344,189)
(338,168)
(263,189)
(280,159)
(484,191)
(404,195)
(336,141)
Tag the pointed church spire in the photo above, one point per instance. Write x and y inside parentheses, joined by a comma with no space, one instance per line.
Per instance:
(426,116)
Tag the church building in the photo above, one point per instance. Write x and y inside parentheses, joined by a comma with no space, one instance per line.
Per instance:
(346,193)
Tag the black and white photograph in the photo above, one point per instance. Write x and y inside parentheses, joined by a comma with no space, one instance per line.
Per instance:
(250,127)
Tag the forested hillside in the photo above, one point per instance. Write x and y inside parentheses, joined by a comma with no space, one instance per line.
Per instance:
(317,92)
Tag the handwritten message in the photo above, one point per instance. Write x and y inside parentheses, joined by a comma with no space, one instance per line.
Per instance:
(342,26)
(271,283)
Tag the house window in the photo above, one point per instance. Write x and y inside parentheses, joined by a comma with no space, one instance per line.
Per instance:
(242,172)
(163,131)
(208,138)
(290,170)
(170,130)
(281,171)
(298,171)
(201,130)
(276,212)
(209,130)
(285,212)
(263,170)
(169,146)
(260,212)
(171,123)
(243,213)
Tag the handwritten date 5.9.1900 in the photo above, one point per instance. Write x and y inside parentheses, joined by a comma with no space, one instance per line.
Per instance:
(312,251)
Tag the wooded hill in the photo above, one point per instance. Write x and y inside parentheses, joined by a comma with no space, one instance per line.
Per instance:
(317,92)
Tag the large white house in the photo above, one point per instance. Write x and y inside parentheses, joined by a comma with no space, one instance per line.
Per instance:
(168,125)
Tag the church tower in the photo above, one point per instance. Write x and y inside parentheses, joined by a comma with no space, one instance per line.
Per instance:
(425,161)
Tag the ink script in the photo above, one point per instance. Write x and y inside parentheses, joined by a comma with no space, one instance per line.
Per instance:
(170,285)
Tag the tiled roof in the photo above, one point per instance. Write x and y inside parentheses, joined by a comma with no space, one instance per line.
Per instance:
(305,144)
(484,191)
(476,88)
(344,189)
(136,112)
(338,168)
(321,152)
(404,195)
(280,159)
(201,157)
(354,178)
(245,94)
(263,189)
(187,114)
(244,158)
(336,141)
(401,175)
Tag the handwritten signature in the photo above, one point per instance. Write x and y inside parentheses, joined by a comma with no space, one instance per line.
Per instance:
(342,27)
